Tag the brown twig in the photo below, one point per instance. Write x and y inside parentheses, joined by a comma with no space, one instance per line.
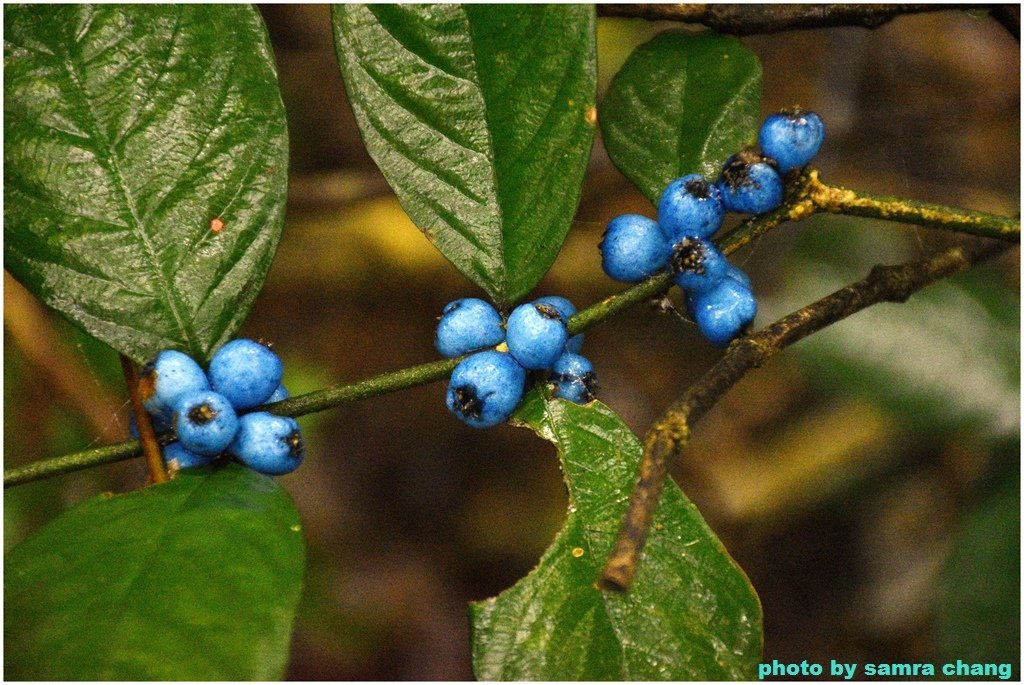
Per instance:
(671,432)
(147,436)
(750,19)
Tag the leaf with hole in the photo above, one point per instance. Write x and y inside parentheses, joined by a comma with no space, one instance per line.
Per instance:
(480,117)
(691,614)
(196,579)
(682,103)
(145,167)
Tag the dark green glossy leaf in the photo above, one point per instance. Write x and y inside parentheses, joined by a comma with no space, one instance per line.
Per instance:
(682,103)
(691,615)
(196,579)
(129,128)
(478,117)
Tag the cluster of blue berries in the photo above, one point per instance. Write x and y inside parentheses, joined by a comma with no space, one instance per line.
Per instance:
(486,387)
(691,210)
(205,411)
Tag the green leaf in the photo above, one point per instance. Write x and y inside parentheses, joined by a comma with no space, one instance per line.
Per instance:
(129,128)
(691,615)
(196,579)
(682,103)
(478,117)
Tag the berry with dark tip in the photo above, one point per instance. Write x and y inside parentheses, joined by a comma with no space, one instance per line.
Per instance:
(485,388)
(205,422)
(566,309)
(166,378)
(690,206)
(536,334)
(697,264)
(724,312)
(633,248)
(268,443)
(246,372)
(791,137)
(466,325)
(178,457)
(749,184)
(574,378)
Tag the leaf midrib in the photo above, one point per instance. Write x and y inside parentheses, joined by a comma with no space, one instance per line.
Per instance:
(114,172)
(492,156)
(565,439)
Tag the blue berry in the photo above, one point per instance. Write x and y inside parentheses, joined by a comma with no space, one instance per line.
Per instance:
(178,458)
(739,275)
(485,388)
(690,206)
(536,335)
(268,443)
(749,184)
(791,138)
(574,378)
(205,422)
(697,264)
(246,372)
(724,312)
(633,248)
(280,394)
(161,424)
(566,309)
(166,378)
(466,325)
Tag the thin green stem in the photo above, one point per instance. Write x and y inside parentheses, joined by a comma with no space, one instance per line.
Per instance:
(806,196)
(46,468)
(413,376)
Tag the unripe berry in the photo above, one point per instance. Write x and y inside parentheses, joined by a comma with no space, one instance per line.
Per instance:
(485,388)
(690,206)
(633,248)
(466,325)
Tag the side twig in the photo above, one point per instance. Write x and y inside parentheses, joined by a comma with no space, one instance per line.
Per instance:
(147,436)
(670,433)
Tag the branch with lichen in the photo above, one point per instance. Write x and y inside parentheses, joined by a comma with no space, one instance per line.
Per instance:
(670,433)
(806,195)
(750,19)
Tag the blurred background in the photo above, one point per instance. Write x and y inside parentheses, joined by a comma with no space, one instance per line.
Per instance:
(867,479)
